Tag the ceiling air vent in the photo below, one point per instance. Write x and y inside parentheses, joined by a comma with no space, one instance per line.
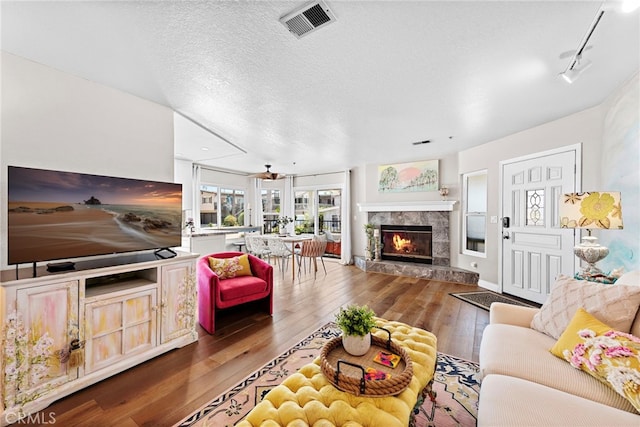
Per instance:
(307,19)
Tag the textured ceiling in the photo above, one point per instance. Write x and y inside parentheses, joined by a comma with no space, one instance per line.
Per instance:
(357,91)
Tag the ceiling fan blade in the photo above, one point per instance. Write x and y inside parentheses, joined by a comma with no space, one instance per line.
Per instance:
(261,175)
(268,175)
(273,176)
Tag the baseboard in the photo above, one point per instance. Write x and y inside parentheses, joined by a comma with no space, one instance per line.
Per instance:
(489,286)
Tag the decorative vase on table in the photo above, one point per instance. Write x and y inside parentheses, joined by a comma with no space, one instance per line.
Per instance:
(283,225)
(356,323)
(444,192)
(356,345)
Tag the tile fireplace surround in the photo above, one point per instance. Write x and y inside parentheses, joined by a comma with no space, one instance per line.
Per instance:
(436,214)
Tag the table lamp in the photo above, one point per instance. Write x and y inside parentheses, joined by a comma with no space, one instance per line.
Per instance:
(596,209)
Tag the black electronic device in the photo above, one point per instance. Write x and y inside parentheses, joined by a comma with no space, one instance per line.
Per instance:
(60,266)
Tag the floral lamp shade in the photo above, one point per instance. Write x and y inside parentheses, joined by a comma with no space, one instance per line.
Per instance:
(596,209)
(591,210)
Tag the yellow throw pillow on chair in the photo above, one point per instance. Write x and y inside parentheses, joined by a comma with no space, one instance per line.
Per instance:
(227,268)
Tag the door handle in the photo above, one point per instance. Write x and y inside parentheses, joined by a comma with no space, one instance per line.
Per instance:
(506,236)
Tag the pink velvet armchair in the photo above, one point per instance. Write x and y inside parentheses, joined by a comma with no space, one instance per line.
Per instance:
(217,294)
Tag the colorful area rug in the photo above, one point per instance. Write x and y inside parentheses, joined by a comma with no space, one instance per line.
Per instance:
(454,382)
(483,299)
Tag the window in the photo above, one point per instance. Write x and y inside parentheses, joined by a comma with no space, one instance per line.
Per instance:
(535,208)
(221,206)
(474,226)
(208,206)
(329,210)
(270,209)
(232,207)
(305,210)
(318,211)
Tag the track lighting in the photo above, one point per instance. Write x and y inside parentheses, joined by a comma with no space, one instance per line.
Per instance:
(577,67)
(621,6)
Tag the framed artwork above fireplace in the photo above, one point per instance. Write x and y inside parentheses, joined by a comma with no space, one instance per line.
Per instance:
(408,177)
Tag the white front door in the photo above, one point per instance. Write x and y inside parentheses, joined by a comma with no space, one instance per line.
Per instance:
(535,250)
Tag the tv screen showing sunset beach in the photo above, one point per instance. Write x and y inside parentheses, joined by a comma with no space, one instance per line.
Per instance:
(61,215)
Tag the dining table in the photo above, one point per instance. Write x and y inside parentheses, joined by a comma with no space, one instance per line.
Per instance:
(293,240)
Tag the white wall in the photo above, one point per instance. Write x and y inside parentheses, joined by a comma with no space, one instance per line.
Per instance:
(324,180)
(448,171)
(610,158)
(53,120)
(581,128)
(183,174)
(58,121)
(608,134)
(358,219)
(212,176)
(365,189)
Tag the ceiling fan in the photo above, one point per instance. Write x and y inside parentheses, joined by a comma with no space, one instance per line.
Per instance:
(268,175)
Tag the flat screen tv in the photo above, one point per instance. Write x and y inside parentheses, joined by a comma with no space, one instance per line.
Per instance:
(54,215)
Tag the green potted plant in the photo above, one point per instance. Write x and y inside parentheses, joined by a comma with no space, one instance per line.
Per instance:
(356,323)
(282,222)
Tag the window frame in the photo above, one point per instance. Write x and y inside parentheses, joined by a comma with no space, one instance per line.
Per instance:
(314,205)
(237,192)
(467,214)
(270,217)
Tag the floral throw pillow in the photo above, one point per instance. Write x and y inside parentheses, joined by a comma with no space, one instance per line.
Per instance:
(612,357)
(227,268)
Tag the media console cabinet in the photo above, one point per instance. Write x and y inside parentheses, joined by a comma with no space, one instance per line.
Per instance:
(62,332)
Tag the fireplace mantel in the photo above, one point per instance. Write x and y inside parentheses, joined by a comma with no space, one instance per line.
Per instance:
(420,206)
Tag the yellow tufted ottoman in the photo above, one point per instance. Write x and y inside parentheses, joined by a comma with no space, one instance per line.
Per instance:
(306,398)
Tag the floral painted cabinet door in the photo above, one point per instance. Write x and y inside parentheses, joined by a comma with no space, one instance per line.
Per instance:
(119,327)
(178,301)
(37,337)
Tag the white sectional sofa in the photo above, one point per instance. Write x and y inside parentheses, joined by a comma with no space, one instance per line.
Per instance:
(524,384)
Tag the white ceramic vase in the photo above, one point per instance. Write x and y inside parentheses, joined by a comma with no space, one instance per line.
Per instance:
(356,345)
(284,230)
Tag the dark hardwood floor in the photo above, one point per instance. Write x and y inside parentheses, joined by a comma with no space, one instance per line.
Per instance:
(164,390)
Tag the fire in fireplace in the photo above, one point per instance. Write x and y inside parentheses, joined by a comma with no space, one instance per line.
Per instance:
(410,243)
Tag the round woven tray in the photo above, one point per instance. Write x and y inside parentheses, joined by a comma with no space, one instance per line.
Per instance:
(337,366)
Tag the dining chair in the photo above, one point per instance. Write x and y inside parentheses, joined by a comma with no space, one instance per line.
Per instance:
(280,251)
(248,244)
(259,247)
(311,250)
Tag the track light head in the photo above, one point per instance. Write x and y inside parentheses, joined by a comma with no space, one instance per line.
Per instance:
(621,6)
(575,70)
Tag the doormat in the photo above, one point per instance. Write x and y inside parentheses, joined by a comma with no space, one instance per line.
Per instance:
(483,299)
